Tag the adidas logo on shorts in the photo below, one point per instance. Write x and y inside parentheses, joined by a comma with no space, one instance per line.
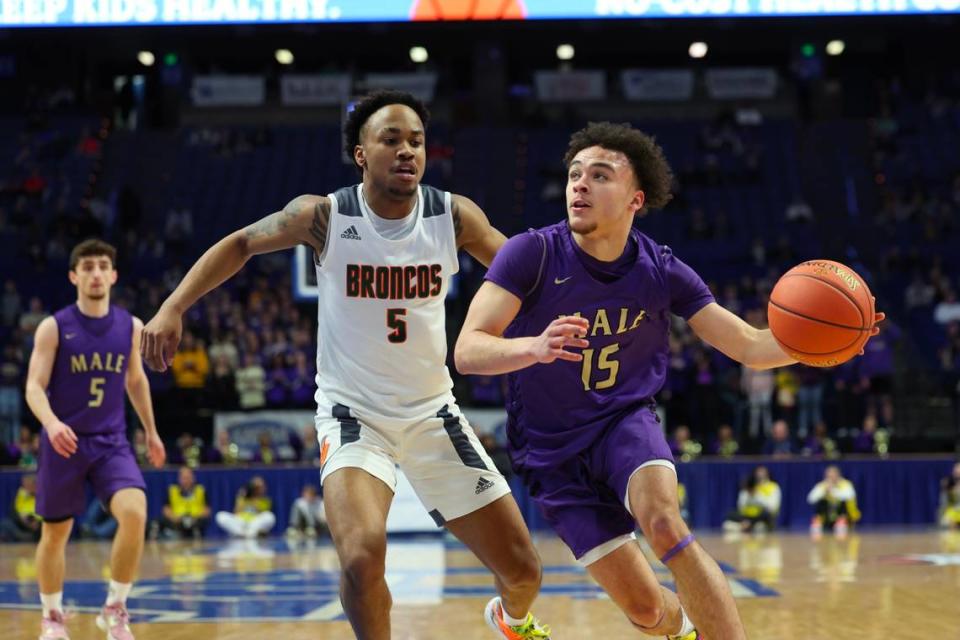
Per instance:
(482,485)
(351,233)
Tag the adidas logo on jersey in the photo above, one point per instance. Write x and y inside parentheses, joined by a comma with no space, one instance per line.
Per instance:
(351,233)
(482,485)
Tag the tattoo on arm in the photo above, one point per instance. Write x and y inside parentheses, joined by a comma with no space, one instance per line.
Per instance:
(272,224)
(291,220)
(457,220)
(318,227)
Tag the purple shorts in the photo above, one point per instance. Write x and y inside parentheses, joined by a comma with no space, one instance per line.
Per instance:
(583,498)
(106,460)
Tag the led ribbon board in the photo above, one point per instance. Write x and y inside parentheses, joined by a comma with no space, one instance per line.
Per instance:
(61,13)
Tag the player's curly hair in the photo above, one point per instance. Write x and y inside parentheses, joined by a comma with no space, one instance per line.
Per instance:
(92,247)
(646,157)
(362,110)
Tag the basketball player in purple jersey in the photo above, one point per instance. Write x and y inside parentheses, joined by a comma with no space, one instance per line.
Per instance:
(84,358)
(581,424)
(384,251)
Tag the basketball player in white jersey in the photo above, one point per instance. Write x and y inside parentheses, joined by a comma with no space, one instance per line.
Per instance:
(385,251)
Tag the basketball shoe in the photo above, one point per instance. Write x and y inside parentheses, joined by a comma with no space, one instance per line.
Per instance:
(115,620)
(816,528)
(531,629)
(53,628)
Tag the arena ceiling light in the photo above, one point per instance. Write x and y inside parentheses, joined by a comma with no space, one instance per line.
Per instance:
(284,56)
(698,49)
(566,52)
(836,47)
(146,58)
(419,54)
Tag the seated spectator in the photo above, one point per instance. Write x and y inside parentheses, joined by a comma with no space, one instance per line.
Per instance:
(871,439)
(725,446)
(919,293)
(251,515)
(29,451)
(682,446)
(487,391)
(140,447)
(97,523)
(222,384)
(950,499)
(758,504)
(265,452)
(23,525)
(779,444)
(820,444)
(30,320)
(758,385)
(307,516)
(190,368)
(277,391)
(186,512)
(225,452)
(835,501)
(251,383)
(311,447)
(947,310)
(303,383)
(188,451)
(798,210)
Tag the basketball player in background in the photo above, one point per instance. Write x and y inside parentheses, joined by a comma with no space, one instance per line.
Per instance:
(384,253)
(579,314)
(84,358)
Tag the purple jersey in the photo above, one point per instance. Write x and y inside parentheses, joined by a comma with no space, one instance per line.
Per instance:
(87,382)
(557,410)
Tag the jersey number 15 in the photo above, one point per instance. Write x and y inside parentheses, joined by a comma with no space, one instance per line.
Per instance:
(604,364)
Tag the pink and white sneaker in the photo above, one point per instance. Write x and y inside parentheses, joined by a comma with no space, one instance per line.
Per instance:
(53,628)
(115,620)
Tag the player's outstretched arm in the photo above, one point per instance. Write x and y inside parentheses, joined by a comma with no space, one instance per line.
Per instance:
(303,221)
(736,339)
(756,348)
(475,234)
(482,349)
(138,389)
(44,354)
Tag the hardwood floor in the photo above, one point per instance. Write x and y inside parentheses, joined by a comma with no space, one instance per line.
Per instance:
(890,585)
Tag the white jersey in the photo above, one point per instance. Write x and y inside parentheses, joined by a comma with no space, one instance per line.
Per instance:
(381,339)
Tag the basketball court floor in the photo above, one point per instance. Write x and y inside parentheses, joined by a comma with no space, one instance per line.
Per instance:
(889,585)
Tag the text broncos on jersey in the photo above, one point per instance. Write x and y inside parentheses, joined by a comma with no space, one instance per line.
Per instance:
(394,283)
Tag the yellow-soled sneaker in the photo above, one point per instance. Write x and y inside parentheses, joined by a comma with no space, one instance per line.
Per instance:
(531,629)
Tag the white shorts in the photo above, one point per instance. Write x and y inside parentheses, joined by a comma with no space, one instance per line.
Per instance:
(440,455)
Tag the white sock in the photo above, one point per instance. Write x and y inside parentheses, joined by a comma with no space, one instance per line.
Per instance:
(51,602)
(118,592)
(513,622)
(686,627)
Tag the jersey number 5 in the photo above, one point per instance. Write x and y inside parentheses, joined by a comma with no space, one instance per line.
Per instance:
(96,391)
(603,364)
(396,322)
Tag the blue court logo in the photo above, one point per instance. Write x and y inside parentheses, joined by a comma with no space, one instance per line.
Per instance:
(245,584)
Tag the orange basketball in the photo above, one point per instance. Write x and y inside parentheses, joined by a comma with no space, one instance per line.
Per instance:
(821,313)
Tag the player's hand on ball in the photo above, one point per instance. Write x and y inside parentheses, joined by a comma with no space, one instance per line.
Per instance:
(565,331)
(156,452)
(877,319)
(161,337)
(62,438)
